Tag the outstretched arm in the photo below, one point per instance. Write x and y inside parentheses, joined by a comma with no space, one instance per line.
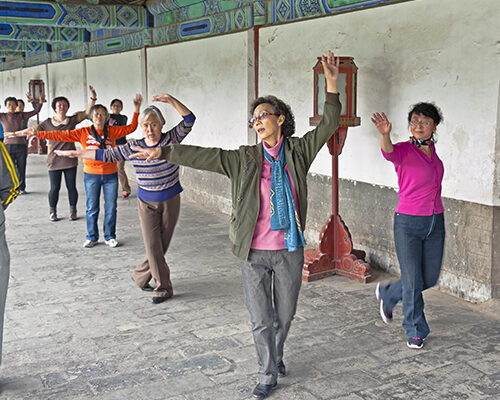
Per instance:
(384,127)
(166,98)
(88,154)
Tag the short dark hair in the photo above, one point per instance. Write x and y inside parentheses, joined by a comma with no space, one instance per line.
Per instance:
(118,100)
(97,106)
(60,98)
(428,109)
(20,101)
(279,108)
(9,99)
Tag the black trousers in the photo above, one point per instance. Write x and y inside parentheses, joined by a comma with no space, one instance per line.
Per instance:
(19,155)
(55,186)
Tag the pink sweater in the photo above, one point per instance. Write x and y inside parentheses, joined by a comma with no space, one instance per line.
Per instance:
(263,237)
(419,179)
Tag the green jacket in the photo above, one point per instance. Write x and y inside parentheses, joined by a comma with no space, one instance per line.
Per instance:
(243,166)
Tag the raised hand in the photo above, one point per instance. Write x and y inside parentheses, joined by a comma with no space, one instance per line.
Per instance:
(29,97)
(93,94)
(330,66)
(137,102)
(148,154)
(165,98)
(382,123)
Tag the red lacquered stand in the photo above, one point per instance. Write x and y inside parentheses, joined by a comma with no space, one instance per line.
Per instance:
(335,254)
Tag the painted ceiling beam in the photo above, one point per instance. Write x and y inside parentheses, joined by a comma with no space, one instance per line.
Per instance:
(43,33)
(24,46)
(73,15)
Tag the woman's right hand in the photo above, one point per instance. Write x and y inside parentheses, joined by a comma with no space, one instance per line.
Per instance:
(143,153)
(382,123)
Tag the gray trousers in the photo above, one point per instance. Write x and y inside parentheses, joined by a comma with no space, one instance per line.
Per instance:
(271,283)
(4,273)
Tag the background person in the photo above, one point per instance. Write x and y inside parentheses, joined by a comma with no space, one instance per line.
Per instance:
(419,219)
(17,146)
(57,165)
(271,175)
(117,119)
(158,194)
(8,192)
(97,174)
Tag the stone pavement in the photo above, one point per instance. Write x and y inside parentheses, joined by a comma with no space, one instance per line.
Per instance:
(78,328)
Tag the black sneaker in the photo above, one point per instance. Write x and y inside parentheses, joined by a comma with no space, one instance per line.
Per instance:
(281,368)
(262,390)
(415,343)
(385,313)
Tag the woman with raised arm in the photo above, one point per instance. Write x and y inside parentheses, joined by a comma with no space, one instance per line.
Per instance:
(158,195)
(97,174)
(268,176)
(419,219)
(58,165)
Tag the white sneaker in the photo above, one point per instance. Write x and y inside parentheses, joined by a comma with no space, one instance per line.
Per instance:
(89,243)
(111,242)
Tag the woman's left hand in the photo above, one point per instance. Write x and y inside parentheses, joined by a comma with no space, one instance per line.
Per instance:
(330,66)
(165,98)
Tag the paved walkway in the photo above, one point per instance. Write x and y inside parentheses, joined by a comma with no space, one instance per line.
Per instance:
(78,328)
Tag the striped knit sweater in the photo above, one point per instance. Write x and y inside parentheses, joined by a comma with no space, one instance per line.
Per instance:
(158,180)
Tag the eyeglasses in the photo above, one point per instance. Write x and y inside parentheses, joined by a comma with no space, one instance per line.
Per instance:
(260,117)
(425,124)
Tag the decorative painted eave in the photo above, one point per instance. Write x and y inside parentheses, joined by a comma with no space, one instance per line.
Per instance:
(17,32)
(118,28)
(72,15)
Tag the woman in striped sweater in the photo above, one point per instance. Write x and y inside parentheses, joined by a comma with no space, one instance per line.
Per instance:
(158,194)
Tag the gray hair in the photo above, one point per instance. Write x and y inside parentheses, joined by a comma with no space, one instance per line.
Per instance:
(151,110)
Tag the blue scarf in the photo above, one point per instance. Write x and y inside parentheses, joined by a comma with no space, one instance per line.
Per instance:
(419,143)
(283,213)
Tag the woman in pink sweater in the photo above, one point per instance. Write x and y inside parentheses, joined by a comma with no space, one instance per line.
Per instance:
(419,219)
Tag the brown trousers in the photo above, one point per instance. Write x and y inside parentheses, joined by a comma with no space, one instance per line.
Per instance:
(122,176)
(158,220)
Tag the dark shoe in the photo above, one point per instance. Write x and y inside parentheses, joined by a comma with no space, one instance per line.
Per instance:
(159,299)
(148,288)
(261,391)
(23,192)
(72,213)
(385,313)
(415,343)
(281,368)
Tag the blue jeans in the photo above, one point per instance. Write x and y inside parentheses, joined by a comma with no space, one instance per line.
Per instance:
(419,244)
(93,184)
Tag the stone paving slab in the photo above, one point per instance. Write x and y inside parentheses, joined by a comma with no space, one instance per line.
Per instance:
(78,328)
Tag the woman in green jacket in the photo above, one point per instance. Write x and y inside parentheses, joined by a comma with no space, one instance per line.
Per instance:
(269,210)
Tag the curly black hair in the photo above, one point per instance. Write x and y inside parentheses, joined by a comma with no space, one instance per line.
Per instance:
(428,109)
(279,108)
(57,99)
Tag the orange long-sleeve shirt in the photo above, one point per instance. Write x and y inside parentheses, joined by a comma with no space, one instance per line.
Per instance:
(84,136)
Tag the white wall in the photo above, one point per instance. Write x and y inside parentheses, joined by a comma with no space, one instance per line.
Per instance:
(445,51)
(117,76)
(67,79)
(209,77)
